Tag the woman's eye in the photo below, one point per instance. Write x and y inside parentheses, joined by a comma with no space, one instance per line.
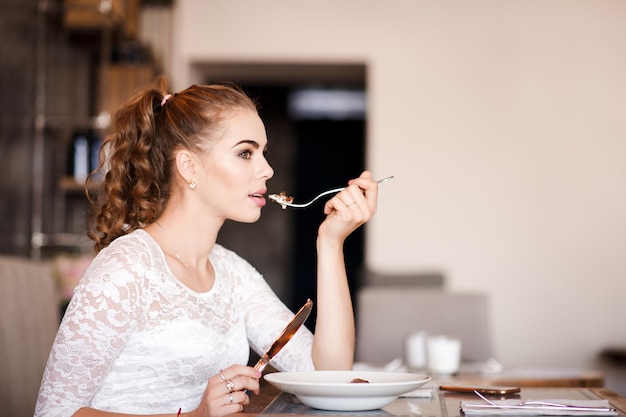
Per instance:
(245,154)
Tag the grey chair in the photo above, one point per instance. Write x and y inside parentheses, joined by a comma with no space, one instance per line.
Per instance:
(29,319)
(385,315)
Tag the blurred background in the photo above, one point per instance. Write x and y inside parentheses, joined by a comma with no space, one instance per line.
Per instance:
(502,122)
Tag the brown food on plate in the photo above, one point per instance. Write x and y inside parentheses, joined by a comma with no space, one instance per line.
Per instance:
(359,381)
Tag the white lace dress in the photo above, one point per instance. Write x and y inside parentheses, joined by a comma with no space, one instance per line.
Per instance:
(136,340)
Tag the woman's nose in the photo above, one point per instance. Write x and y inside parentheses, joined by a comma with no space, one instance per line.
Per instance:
(267,171)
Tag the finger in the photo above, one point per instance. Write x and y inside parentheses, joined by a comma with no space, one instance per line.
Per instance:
(356,186)
(240,377)
(365,175)
(355,193)
(232,403)
(341,202)
(347,199)
(229,385)
(234,371)
(365,183)
(349,196)
(359,201)
(244,383)
(237,398)
(246,378)
(240,397)
(369,188)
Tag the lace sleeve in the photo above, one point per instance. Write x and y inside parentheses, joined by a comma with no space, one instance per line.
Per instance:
(102,314)
(266,316)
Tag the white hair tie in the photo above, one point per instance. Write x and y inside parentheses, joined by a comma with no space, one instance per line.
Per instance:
(167,97)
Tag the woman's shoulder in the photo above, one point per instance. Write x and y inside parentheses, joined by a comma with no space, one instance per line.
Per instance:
(125,263)
(138,242)
(136,250)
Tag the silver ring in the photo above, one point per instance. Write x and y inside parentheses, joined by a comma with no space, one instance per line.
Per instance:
(230,398)
(222,376)
(230,385)
(351,204)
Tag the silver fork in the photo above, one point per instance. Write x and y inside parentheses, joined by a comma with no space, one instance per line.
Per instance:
(285,201)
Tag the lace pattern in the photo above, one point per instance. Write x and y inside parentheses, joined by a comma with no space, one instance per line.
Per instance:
(135,339)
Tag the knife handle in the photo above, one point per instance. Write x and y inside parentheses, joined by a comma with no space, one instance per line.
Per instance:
(262,364)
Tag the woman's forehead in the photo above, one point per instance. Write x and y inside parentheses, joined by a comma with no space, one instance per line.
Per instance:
(244,125)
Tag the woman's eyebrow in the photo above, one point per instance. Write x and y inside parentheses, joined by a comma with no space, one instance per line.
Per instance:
(250,142)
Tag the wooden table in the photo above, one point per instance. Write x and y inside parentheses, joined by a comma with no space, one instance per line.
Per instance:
(474,373)
(551,377)
(274,403)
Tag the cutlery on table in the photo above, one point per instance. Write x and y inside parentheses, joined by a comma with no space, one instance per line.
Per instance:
(286,201)
(538,405)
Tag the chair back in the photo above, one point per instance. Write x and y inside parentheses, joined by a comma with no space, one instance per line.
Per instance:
(29,318)
(387,314)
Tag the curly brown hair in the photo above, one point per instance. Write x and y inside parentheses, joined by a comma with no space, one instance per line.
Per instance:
(134,179)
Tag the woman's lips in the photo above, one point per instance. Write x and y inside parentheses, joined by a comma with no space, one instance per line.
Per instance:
(259,199)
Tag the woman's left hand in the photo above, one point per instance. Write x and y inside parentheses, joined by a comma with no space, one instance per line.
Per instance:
(350,208)
(226,392)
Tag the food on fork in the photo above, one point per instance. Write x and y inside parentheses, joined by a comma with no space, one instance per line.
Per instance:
(282,198)
(287,201)
(359,381)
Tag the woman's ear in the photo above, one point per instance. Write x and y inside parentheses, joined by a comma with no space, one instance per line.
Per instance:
(185,166)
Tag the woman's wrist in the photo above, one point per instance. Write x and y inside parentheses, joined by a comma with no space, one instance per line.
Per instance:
(329,243)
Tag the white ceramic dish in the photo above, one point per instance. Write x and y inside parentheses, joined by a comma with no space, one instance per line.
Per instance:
(332,390)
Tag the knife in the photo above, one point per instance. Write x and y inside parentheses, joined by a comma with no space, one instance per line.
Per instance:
(285,336)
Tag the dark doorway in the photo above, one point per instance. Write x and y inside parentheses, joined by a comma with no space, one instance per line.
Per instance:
(329,153)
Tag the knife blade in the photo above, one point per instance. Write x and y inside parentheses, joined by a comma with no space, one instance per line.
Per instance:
(285,336)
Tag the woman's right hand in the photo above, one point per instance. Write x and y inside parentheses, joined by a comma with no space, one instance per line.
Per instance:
(226,392)
(350,208)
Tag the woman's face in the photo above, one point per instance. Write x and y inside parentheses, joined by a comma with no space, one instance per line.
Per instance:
(234,171)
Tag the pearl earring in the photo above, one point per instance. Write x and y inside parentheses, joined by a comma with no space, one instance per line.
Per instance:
(192,184)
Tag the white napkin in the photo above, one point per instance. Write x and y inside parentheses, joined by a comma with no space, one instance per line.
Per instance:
(572,408)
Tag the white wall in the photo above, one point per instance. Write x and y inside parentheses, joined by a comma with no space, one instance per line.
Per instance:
(504,124)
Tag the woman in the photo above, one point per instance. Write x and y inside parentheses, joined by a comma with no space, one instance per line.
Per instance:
(163,320)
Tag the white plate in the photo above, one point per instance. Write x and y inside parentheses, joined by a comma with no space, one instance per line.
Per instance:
(332,390)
